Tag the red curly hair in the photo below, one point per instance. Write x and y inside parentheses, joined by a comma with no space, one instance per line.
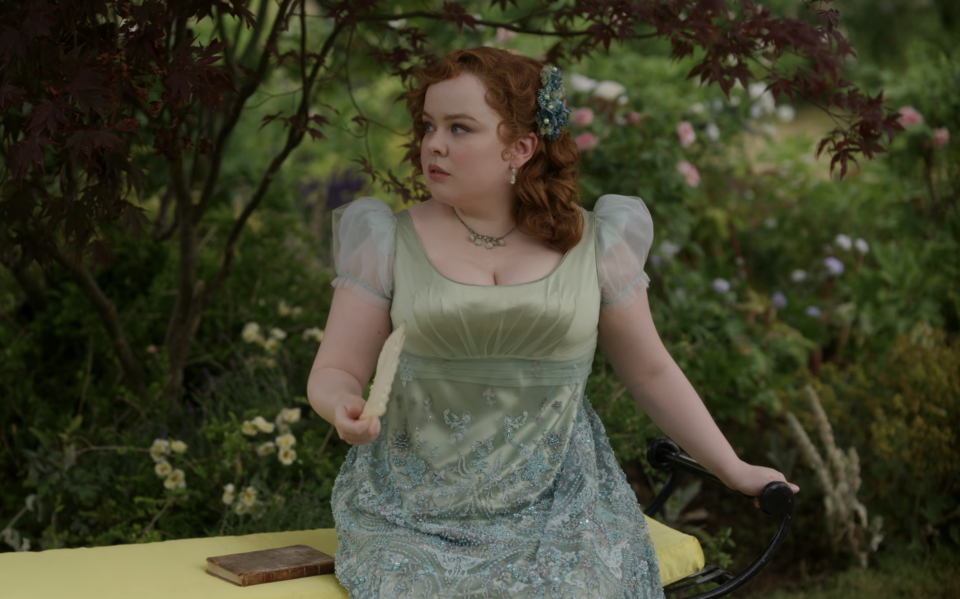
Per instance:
(548,203)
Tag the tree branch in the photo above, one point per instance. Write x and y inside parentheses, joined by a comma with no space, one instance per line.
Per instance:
(108,315)
(245,92)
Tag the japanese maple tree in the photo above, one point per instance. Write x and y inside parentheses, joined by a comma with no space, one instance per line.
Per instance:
(85,83)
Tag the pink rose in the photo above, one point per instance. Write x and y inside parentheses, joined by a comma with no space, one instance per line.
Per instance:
(586,141)
(582,117)
(686,134)
(940,137)
(634,117)
(689,172)
(910,117)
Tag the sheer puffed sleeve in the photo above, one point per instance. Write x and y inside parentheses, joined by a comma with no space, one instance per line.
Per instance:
(364,244)
(624,237)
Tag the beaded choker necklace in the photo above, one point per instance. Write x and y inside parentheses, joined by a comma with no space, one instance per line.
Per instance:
(484,240)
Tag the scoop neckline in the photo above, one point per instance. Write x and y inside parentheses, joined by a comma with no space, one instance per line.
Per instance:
(423,253)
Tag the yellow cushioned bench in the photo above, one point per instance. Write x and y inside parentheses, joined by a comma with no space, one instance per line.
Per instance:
(177,569)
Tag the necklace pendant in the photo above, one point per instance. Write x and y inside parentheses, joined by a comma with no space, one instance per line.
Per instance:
(477,241)
(501,242)
(473,237)
(489,245)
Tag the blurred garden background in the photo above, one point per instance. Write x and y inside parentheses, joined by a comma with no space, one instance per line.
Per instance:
(155,388)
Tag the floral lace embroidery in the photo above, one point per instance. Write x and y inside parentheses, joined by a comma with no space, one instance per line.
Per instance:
(406,371)
(512,424)
(428,407)
(459,424)
(489,395)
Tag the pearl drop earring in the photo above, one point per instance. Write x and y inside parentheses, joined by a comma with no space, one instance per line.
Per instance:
(513,176)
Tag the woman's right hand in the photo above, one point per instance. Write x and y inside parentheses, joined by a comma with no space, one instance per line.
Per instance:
(352,430)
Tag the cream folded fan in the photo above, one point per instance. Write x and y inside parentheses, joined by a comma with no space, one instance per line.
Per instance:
(387,365)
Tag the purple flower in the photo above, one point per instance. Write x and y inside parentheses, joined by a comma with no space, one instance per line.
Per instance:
(813,311)
(721,285)
(343,187)
(778,300)
(833,265)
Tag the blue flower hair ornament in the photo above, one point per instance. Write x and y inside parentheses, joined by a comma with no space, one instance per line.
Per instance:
(553,109)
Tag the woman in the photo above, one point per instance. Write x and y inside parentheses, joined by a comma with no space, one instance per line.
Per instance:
(490,475)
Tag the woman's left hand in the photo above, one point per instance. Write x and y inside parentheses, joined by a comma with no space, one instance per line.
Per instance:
(750,480)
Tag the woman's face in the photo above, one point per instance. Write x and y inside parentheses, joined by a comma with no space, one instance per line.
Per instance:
(462,156)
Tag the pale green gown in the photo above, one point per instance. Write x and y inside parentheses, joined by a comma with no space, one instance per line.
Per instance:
(492,476)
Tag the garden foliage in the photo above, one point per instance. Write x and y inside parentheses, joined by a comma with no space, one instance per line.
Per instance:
(766,275)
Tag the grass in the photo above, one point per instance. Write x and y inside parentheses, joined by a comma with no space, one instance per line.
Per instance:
(889,576)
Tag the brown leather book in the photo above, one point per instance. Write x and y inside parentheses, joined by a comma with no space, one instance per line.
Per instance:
(270,565)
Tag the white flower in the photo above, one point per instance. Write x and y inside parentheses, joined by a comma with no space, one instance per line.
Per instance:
(289,415)
(249,496)
(248,428)
(579,83)
(609,90)
(228,491)
(834,266)
(25,546)
(756,90)
(770,223)
(843,241)
(285,441)
(697,108)
(162,468)
(251,332)
(712,132)
(735,100)
(261,423)
(798,276)
(266,448)
(278,334)
(296,311)
(862,246)
(786,113)
(313,333)
(287,456)
(176,480)
(397,24)
(178,446)
(241,508)
(283,309)
(160,446)
(271,345)
(668,249)
(721,285)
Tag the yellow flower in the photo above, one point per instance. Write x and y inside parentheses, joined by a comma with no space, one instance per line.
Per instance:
(261,423)
(228,491)
(163,468)
(178,446)
(160,448)
(249,496)
(278,334)
(283,309)
(271,345)
(287,456)
(176,480)
(314,333)
(251,332)
(249,428)
(266,448)
(289,415)
(240,508)
(286,441)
